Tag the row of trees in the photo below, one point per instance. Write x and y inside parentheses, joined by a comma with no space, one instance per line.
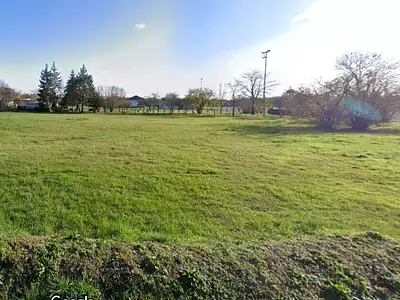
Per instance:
(364,82)
(250,85)
(78,92)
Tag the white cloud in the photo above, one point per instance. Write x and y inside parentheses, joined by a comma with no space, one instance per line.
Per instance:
(140,26)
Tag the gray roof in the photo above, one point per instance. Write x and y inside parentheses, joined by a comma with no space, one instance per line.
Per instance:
(136,97)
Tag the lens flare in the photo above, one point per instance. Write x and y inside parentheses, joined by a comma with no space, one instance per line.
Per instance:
(361,109)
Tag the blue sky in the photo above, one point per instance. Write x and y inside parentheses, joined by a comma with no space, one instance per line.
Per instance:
(167,45)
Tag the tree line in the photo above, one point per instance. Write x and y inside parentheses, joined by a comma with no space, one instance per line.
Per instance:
(80,91)
(365,91)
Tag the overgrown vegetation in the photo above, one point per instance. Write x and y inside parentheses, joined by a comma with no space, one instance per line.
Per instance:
(359,267)
(365,92)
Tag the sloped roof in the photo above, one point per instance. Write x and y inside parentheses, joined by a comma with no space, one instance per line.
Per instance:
(136,97)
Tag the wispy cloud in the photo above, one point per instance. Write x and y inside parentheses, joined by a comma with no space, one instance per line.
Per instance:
(140,26)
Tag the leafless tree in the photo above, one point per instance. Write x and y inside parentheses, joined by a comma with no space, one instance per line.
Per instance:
(6,95)
(252,84)
(366,79)
(234,88)
(221,95)
(112,96)
(221,92)
(251,87)
(373,80)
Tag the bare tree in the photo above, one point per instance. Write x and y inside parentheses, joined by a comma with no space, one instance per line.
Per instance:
(234,88)
(6,95)
(113,96)
(365,91)
(251,87)
(221,95)
(221,92)
(252,84)
(200,98)
(372,80)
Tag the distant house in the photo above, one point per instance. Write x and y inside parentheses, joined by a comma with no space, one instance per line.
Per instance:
(31,105)
(134,101)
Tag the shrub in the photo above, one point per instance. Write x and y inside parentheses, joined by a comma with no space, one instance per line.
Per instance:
(42,109)
(277,111)
(367,78)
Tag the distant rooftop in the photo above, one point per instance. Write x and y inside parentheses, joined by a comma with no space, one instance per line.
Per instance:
(136,97)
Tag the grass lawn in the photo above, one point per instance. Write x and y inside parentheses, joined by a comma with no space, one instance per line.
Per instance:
(191,180)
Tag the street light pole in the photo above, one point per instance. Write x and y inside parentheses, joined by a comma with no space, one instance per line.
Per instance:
(201,84)
(265,56)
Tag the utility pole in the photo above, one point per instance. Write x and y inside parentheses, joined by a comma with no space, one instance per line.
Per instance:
(265,56)
(201,84)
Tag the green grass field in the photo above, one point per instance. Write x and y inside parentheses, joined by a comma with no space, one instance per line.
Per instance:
(193,180)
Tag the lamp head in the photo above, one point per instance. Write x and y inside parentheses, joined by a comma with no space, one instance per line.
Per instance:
(265,53)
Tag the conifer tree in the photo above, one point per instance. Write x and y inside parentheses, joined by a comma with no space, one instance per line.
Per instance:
(56,86)
(70,92)
(85,87)
(44,90)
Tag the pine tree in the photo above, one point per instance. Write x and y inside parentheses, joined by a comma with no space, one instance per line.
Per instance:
(85,87)
(44,90)
(70,92)
(56,86)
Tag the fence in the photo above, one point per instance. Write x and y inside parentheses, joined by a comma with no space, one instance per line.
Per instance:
(209,111)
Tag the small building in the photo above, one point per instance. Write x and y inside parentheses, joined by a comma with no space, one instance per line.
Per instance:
(31,105)
(134,101)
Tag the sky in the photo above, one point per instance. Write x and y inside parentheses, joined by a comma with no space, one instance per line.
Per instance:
(168,45)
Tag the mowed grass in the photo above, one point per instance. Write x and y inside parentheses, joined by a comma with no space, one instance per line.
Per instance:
(192,180)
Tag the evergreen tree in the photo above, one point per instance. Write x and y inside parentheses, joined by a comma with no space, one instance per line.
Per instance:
(56,86)
(70,92)
(86,91)
(44,90)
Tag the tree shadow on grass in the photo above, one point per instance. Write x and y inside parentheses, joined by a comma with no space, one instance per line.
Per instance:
(299,129)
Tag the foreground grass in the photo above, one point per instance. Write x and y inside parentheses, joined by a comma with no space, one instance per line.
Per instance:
(357,267)
(190,180)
